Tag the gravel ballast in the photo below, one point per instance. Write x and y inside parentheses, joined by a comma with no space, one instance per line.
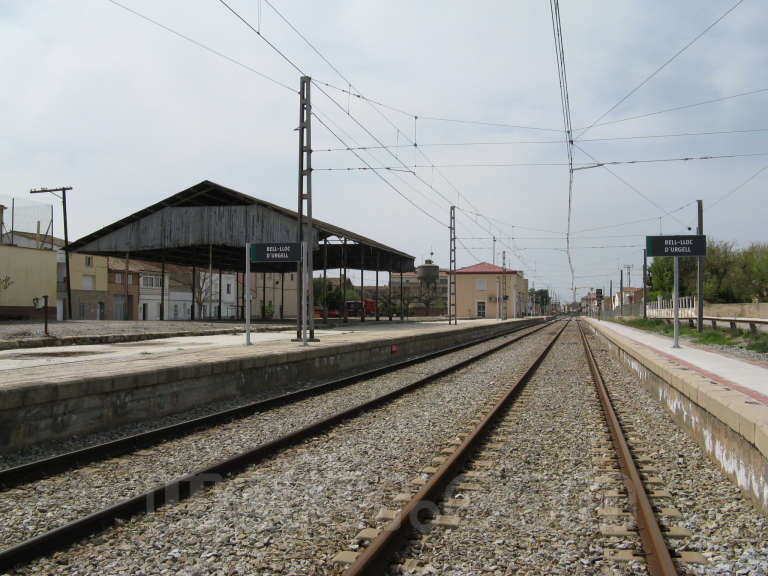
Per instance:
(36,507)
(726,528)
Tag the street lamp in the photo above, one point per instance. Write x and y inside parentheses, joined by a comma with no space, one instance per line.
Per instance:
(63,198)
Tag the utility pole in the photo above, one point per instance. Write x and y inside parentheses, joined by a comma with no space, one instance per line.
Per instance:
(63,198)
(610,291)
(493,256)
(628,268)
(304,272)
(700,275)
(504,284)
(451,271)
(621,292)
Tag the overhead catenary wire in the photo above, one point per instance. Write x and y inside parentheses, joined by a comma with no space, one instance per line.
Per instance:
(630,186)
(681,107)
(528,142)
(387,182)
(203,46)
(554,8)
(661,67)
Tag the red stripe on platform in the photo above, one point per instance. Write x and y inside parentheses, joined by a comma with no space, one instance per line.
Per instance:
(762,398)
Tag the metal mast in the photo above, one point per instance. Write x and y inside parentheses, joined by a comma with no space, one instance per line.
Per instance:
(304,296)
(452,271)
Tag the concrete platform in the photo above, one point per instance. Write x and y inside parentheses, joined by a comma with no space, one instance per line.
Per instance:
(55,392)
(720,400)
(751,378)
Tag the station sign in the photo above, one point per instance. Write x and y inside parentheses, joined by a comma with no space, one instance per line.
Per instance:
(276,252)
(691,245)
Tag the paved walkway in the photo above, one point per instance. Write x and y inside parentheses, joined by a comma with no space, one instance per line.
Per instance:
(738,374)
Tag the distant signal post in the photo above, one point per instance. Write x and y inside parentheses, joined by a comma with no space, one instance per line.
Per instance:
(676,246)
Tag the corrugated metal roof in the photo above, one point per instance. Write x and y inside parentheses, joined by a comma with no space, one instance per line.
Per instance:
(208,195)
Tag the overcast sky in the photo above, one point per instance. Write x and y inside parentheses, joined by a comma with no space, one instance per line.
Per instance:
(127,113)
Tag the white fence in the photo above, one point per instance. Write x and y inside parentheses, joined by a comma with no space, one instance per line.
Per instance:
(665,308)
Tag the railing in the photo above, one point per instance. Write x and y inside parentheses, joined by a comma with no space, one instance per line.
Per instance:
(665,308)
(733,322)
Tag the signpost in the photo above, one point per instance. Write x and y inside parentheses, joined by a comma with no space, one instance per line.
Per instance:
(676,246)
(270,252)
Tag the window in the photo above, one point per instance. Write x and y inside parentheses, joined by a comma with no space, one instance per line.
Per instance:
(130,279)
(151,282)
(229,288)
(89,281)
(481,308)
(118,278)
(481,286)
(89,261)
(175,311)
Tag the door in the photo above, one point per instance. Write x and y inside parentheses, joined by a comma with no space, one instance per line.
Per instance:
(118,307)
(481,309)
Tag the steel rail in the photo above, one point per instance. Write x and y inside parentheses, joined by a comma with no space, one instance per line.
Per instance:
(657,554)
(375,559)
(12,477)
(184,487)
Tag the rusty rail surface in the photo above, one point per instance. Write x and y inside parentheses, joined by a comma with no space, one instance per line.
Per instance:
(657,554)
(182,488)
(375,559)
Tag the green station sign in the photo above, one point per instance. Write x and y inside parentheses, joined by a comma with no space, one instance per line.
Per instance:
(276,252)
(691,245)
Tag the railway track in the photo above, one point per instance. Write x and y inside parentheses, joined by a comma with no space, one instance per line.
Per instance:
(433,504)
(182,487)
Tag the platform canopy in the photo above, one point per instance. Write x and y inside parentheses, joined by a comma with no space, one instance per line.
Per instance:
(207,218)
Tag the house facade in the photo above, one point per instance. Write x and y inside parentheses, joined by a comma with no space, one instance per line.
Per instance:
(488,291)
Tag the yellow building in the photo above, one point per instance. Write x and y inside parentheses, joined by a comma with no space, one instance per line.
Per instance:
(89,275)
(480,288)
(26,273)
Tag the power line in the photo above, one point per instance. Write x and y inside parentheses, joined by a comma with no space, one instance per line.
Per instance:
(203,46)
(387,182)
(630,186)
(739,187)
(554,8)
(683,107)
(258,32)
(319,86)
(528,142)
(407,184)
(658,160)
(426,117)
(660,68)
